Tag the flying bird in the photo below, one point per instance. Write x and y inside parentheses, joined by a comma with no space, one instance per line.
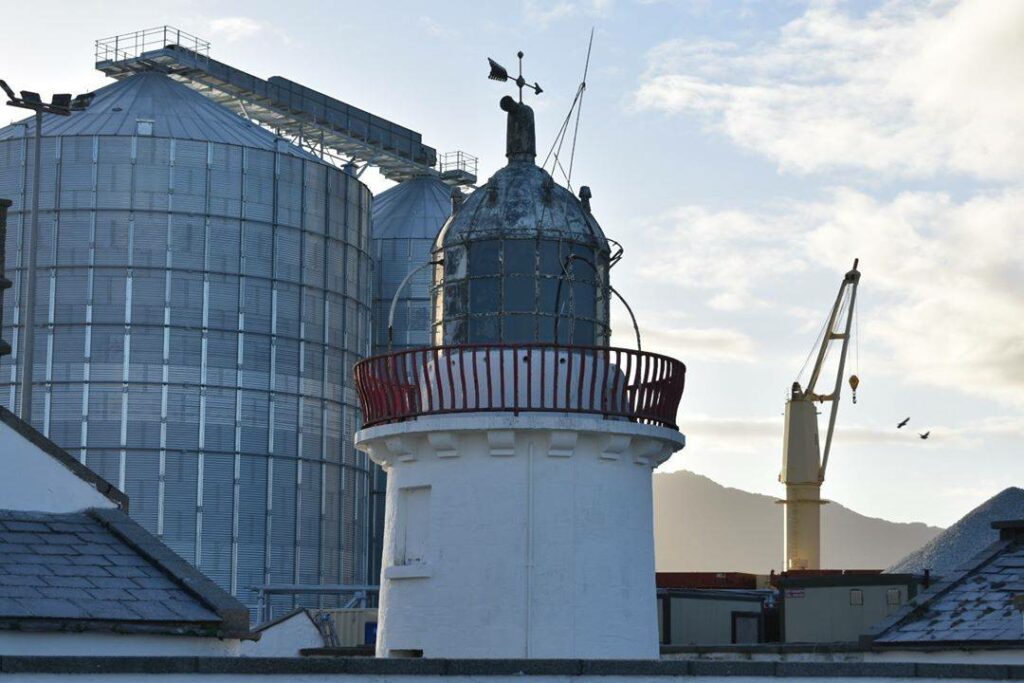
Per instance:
(903,424)
(925,435)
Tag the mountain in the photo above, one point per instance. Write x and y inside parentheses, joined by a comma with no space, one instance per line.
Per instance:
(969,536)
(700,525)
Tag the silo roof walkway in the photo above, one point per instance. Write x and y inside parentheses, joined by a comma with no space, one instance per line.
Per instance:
(322,124)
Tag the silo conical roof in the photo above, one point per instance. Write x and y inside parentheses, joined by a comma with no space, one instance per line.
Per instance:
(175,110)
(414,209)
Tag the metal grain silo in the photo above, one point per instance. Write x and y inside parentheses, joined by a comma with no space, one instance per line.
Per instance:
(203,291)
(406,220)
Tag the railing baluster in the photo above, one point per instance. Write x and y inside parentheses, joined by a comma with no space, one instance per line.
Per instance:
(628,406)
(476,379)
(593,377)
(568,377)
(515,380)
(437,355)
(490,376)
(543,377)
(501,376)
(644,380)
(529,377)
(421,371)
(462,377)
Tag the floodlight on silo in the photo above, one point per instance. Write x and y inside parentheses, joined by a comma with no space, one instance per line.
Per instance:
(61,100)
(7,89)
(31,98)
(82,102)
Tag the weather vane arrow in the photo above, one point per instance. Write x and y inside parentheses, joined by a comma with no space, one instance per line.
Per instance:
(500,73)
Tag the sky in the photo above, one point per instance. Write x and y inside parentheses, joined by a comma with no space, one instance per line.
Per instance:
(744,153)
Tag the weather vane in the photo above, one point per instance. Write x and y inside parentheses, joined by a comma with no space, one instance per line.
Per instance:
(500,73)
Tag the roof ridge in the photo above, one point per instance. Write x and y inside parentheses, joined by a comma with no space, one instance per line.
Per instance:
(234,615)
(114,494)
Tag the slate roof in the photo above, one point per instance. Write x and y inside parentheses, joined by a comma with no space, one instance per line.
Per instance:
(973,605)
(98,570)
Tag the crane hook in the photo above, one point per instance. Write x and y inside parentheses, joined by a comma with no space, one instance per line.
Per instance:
(854,383)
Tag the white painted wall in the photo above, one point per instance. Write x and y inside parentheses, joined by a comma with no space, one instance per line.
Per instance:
(97,644)
(36,482)
(285,638)
(539,539)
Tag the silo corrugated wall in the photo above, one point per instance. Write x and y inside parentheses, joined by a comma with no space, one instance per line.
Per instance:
(200,306)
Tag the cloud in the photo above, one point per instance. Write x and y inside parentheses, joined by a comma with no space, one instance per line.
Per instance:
(236,28)
(233,29)
(690,343)
(435,29)
(724,253)
(942,299)
(911,89)
(953,280)
(707,434)
(542,13)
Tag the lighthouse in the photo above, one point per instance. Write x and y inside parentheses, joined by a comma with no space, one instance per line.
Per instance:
(519,447)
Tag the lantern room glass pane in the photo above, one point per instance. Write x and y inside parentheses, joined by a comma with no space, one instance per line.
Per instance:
(583,333)
(584,300)
(484,295)
(520,294)
(548,295)
(550,258)
(484,330)
(518,328)
(520,257)
(455,299)
(485,258)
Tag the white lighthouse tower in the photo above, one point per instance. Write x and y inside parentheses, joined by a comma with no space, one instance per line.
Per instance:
(519,449)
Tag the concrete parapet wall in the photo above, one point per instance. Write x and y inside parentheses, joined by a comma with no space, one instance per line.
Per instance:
(370,670)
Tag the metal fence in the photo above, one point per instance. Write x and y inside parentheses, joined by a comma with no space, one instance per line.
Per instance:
(134,44)
(457,161)
(612,382)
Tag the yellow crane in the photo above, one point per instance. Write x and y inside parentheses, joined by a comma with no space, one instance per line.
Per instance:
(803,464)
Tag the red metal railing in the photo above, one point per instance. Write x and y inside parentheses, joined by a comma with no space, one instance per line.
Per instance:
(616,383)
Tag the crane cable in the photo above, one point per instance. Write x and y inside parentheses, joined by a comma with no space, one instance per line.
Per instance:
(814,347)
